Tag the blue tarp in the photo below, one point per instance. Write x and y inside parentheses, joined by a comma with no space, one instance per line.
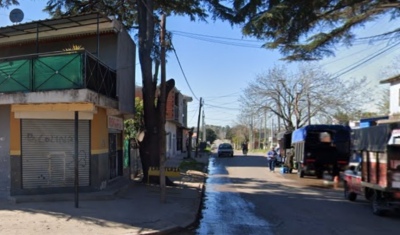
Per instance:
(301,133)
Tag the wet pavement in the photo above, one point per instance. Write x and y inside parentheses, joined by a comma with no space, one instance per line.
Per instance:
(230,210)
(226,212)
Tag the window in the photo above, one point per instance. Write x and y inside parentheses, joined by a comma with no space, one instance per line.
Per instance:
(325,137)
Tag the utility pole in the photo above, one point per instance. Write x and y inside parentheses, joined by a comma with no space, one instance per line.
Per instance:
(204,129)
(163,97)
(272,132)
(308,108)
(265,129)
(198,128)
(190,143)
(259,135)
(251,133)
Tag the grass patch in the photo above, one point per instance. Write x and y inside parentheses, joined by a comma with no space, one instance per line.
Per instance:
(192,164)
(258,151)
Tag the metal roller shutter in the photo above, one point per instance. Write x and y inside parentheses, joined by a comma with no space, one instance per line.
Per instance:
(48,153)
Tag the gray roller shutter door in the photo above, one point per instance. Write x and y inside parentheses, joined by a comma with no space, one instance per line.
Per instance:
(48,153)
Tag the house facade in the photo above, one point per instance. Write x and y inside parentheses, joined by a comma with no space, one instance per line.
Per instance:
(394,102)
(176,122)
(66,85)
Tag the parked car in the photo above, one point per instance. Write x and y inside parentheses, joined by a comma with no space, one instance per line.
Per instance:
(225,149)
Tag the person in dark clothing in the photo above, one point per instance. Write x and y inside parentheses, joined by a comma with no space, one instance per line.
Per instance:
(244,148)
(289,161)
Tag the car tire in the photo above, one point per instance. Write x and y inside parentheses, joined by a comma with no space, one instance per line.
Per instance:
(351,196)
(375,201)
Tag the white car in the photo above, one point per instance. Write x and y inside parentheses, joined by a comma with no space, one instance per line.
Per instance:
(225,149)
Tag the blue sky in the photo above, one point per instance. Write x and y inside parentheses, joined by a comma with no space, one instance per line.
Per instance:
(218,68)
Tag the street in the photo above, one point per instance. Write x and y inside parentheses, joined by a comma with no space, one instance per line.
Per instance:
(243,197)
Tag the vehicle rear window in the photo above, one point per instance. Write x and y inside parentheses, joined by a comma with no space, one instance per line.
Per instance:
(225,146)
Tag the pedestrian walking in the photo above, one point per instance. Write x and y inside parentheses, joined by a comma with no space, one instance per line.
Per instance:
(271,156)
(244,148)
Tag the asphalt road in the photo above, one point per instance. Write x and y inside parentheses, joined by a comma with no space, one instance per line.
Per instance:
(243,197)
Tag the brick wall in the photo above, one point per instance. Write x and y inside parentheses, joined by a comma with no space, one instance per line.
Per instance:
(170,105)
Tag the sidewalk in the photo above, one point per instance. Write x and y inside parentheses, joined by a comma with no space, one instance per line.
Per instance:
(126,207)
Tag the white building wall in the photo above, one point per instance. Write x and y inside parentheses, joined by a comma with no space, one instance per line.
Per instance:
(394,99)
(170,129)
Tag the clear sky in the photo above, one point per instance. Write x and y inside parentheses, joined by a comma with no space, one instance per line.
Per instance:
(218,62)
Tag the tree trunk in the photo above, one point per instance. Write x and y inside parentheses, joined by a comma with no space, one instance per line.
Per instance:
(154,115)
(149,153)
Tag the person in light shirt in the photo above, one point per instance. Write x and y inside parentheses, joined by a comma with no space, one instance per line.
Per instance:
(271,156)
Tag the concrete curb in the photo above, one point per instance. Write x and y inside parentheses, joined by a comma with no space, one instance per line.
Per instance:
(176,228)
(165,231)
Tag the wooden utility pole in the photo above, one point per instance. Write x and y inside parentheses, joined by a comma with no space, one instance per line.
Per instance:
(251,141)
(163,97)
(265,130)
(198,128)
(204,128)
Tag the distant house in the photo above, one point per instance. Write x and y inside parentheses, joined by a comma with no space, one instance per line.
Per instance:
(176,121)
(56,73)
(372,121)
(394,83)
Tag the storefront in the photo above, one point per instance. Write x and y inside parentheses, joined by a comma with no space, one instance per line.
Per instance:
(47,152)
(115,126)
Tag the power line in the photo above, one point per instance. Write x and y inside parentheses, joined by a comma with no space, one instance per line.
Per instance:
(194,114)
(220,107)
(183,73)
(213,40)
(182,33)
(222,96)
(364,60)
(344,57)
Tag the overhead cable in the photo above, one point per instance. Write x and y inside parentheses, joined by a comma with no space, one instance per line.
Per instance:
(183,73)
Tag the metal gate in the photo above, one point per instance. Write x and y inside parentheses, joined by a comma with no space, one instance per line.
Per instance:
(48,153)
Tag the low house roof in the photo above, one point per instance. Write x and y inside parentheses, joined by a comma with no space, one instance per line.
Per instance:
(58,27)
(391,80)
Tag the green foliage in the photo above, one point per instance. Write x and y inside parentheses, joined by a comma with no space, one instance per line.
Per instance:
(305,30)
(229,133)
(127,11)
(211,136)
(133,126)
(192,164)
(8,3)
(74,48)
(342,117)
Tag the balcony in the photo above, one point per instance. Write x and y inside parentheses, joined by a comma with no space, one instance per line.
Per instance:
(57,71)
